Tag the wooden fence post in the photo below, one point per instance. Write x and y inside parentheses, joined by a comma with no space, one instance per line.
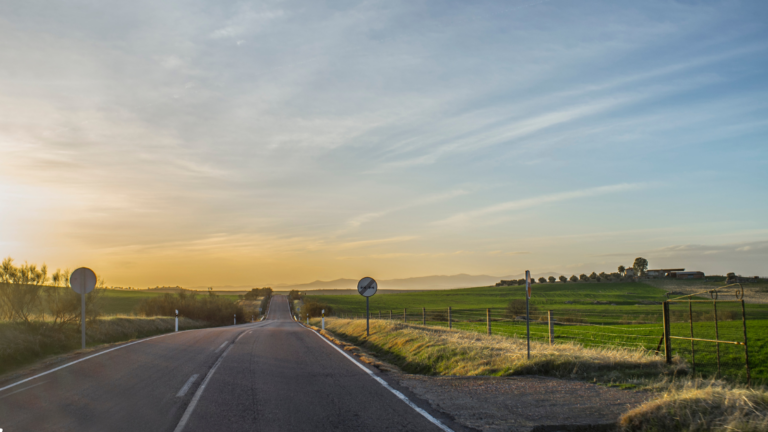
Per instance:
(488,320)
(551,328)
(667,327)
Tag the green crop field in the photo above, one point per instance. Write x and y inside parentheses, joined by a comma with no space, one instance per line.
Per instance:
(620,319)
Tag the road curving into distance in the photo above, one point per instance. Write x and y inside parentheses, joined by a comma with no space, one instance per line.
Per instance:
(274,375)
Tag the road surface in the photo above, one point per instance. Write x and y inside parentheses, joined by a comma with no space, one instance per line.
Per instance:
(274,375)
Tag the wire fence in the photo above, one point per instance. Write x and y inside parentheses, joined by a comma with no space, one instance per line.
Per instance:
(609,329)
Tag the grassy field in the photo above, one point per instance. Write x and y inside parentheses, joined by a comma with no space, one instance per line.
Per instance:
(123,302)
(620,320)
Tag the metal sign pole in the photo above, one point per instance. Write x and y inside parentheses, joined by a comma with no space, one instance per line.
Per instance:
(367,316)
(82,281)
(82,310)
(528,310)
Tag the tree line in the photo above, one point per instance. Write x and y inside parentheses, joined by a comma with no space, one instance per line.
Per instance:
(28,293)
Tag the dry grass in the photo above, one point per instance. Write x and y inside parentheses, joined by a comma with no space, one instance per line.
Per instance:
(701,406)
(431,351)
(22,344)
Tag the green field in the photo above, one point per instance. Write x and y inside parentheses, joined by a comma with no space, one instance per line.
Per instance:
(123,302)
(623,322)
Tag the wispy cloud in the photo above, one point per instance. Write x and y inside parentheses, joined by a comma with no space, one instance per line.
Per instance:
(526,203)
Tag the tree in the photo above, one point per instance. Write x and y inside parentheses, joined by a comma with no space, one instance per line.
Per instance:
(593,275)
(521,281)
(542,280)
(563,279)
(640,266)
(552,279)
(603,275)
(622,270)
(574,278)
(583,277)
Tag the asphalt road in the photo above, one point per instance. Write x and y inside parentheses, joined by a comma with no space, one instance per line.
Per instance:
(274,375)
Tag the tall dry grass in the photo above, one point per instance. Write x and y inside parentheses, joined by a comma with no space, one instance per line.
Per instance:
(427,350)
(698,405)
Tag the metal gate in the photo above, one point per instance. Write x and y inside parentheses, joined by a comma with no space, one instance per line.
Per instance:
(721,337)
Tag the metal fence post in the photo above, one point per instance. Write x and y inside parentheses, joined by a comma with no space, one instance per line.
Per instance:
(488,319)
(450,320)
(717,337)
(746,352)
(693,352)
(551,328)
(667,340)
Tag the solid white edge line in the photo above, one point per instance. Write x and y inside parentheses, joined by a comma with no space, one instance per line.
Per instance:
(402,397)
(185,388)
(83,359)
(103,352)
(199,393)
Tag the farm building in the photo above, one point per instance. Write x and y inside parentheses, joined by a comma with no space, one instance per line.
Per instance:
(687,275)
(663,272)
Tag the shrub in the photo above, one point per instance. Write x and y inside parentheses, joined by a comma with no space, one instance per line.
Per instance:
(210,308)
(516,308)
(315,308)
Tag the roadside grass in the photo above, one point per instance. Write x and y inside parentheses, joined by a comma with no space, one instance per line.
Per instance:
(23,344)
(621,321)
(435,351)
(699,405)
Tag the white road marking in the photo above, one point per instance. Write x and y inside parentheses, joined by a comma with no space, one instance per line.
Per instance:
(21,390)
(222,346)
(187,385)
(104,352)
(199,393)
(83,359)
(401,396)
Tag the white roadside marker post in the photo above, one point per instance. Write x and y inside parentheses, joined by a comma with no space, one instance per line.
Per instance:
(323,319)
(528,310)
(177,320)
(235,319)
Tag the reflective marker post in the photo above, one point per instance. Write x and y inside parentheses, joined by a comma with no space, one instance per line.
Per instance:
(528,310)
(323,319)
(177,320)
(235,319)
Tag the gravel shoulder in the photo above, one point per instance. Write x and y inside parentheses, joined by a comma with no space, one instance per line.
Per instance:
(525,403)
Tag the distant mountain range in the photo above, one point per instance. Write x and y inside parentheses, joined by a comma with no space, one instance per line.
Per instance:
(414,283)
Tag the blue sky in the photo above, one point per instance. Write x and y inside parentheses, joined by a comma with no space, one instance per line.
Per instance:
(201,142)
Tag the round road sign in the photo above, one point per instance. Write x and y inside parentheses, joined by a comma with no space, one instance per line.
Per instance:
(367,287)
(83,280)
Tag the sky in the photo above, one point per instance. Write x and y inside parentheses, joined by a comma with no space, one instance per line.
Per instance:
(254,143)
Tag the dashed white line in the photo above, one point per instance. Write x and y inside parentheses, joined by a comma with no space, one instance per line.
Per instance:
(222,346)
(402,397)
(187,385)
(199,393)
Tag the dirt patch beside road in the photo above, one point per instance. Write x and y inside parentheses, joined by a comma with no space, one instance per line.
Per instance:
(525,403)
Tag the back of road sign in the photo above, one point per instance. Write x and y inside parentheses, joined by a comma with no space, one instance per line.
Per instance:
(367,287)
(83,280)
